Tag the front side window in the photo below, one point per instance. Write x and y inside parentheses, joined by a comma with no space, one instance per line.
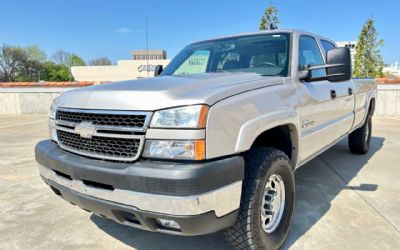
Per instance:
(309,54)
(267,55)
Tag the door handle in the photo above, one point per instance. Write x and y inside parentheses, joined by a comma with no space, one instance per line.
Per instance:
(333,94)
(350,91)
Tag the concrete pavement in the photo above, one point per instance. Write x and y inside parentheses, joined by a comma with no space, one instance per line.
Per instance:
(344,201)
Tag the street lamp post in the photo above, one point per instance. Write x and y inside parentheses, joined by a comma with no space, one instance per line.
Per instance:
(39,75)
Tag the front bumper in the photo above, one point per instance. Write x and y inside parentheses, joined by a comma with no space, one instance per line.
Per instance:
(200,197)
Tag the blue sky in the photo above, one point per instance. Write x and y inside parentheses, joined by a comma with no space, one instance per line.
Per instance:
(94,28)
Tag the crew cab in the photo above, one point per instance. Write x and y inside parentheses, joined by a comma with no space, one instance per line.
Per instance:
(212,142)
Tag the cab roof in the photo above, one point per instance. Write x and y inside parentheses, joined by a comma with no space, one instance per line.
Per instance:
(291,31)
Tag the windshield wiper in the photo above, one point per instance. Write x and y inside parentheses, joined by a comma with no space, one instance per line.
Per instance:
(270,75)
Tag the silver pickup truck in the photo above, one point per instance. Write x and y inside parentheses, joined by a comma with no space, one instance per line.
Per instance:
(213,141)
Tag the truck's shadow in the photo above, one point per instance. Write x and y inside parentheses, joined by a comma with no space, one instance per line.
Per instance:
(140,239)
(321,180)
(317,184)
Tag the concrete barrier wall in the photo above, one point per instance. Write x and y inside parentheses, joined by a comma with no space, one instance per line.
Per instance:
(388,100)
(17,101)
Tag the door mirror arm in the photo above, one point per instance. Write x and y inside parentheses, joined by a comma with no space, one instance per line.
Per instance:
(305,74)
(338,67)
(158,70)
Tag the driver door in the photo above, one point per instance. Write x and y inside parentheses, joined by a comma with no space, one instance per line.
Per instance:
(317,98)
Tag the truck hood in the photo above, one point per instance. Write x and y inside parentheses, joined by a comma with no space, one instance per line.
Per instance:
(163,92)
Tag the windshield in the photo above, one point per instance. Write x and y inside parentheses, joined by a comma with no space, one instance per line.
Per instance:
(266,54)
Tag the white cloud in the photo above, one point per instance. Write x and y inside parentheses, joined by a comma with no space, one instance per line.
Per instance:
(124,30)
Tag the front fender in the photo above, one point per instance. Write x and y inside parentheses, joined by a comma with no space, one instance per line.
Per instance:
(250,130)
(235,122)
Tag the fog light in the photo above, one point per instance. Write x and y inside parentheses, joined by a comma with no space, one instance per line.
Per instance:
(169,224)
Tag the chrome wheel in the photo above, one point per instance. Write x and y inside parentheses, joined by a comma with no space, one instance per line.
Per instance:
(273,203)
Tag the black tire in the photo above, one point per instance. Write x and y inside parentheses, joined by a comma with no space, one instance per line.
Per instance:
(360,139)
(247,232)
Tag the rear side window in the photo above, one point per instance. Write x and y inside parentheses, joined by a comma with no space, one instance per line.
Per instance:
(310,54)
(327,45)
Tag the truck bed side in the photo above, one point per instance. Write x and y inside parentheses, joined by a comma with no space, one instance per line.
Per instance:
(365,91)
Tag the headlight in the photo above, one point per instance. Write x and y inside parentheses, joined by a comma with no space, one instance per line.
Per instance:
(52,130)
(52,124)
(52,112)
(175,149)
(184,117)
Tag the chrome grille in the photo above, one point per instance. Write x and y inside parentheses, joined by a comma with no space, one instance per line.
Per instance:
(116,148)
(107,135)
(103,118)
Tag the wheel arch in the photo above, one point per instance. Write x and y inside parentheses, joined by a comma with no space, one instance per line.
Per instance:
(371,108)
(278,130)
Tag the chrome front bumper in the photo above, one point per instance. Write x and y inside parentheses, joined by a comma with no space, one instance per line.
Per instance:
(222,201)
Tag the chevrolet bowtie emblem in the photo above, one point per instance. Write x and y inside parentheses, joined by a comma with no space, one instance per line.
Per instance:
(85,129)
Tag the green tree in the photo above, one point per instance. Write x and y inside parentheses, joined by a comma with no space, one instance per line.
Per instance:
(35,53)
(100,61)
(11,61)
(270,19)
(76,60)
(69,60)
(26,64)
(21,64)
(29,70)
(55,72)
(31,64)
(368,60)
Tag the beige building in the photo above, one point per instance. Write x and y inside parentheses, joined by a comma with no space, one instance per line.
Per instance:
(138,67)
(149,54)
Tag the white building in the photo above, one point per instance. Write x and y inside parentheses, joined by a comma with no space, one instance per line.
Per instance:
(392,69)
(351,45)
(138,67)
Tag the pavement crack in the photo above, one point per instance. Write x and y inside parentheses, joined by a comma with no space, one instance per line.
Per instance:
(359,194)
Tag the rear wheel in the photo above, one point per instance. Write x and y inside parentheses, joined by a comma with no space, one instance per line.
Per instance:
(267,202)
(360,139)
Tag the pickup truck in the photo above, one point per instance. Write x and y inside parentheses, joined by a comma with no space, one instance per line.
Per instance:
(212,142)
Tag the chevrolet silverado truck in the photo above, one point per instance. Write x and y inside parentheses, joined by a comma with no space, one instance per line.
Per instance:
(212,142)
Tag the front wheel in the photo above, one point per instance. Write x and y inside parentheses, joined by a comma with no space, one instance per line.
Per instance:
(267,201)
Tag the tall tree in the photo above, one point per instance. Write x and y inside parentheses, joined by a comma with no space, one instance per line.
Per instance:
(100,61)
(35,53)
(11,58)
(368,59)
(76,60)
(29,70)
(68,59)
(62,57)
(32,64)
(269,20)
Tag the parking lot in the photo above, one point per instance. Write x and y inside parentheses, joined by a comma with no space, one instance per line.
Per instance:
(344,201)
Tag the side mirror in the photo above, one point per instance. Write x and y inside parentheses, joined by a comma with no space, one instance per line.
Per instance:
(342,58)
(157,70)
(337,68)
